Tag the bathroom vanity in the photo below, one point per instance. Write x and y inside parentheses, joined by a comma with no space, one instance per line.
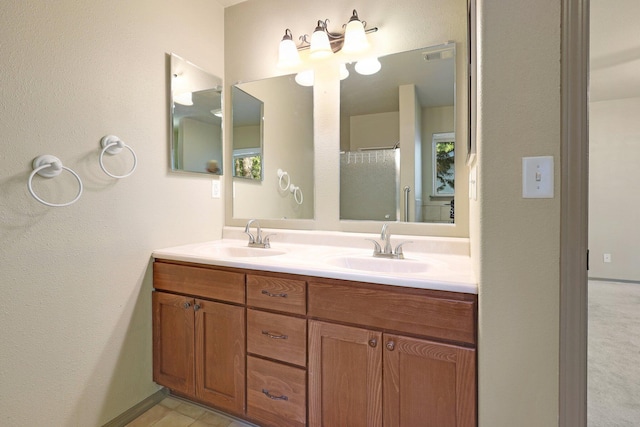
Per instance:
(284,342)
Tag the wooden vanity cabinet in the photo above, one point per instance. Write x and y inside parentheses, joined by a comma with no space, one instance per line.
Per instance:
(367,368)
(277,350)
(283,350)
(198,336)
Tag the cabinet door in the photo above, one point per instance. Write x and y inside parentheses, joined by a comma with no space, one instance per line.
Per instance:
(220,355)
(345,376)
(173,341)
(428,384)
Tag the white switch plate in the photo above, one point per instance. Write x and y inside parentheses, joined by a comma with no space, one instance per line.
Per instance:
(537,177)
(606,257)
(215,189)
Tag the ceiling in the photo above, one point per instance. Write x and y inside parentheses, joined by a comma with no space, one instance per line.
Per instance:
(614,49)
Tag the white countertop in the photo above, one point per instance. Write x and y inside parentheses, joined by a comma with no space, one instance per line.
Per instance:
(446,266)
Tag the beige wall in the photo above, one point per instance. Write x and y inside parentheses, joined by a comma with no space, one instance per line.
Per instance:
(515,241)
(614,186)
(75,282)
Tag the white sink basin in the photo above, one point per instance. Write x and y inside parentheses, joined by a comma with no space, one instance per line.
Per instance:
(379,265)
(237,252)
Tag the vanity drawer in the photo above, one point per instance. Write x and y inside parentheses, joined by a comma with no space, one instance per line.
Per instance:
(277,336)
(277,293)
(437,314)
(276,394)
(199,281)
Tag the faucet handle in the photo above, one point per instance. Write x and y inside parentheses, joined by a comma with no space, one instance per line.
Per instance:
(376,249)
(266,242)
(398,250)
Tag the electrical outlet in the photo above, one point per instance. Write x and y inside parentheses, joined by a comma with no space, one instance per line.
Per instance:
(215,189)
(606,257)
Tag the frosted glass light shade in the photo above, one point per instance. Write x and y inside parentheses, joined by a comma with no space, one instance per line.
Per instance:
(344,73)
(184,98)
(368,66)
(355,39)
(305,78)
(320,46)
(288,56)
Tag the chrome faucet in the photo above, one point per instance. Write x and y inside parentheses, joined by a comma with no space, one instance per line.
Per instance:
(257,241)
(385,250)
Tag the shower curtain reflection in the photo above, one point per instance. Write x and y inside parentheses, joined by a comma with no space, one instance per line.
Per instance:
(369,185)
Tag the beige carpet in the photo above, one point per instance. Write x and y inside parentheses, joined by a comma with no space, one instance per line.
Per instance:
(613,378)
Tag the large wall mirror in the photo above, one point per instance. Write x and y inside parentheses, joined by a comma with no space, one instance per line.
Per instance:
(272,144)
(397,139)
(196,119)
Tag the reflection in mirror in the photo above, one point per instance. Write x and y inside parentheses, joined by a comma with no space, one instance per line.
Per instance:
(196,119)
(283,160)
(388,122)
(247,114)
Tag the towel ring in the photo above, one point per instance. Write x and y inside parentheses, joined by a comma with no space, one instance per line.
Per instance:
(281,175)
(113,145)
(297,194)
(48,166)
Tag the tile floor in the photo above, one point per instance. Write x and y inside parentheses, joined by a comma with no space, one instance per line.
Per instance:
(173,412)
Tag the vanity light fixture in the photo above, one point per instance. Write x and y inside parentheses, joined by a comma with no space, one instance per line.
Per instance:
(323,43)
(355,38)
(184,98)
(320,46)
(353,43)
(288,56)
(305,78)
(368,66)
(181,95)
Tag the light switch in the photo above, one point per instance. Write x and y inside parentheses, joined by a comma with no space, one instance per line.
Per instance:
(537,177)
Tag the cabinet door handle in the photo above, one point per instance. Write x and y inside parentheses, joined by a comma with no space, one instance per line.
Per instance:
(275,336)
(391,346)
(373,342)
(196,307)
(274,397)
(269,294)
(186,304)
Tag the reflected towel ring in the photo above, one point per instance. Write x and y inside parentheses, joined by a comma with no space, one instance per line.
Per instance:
(48,166)
(113,145)
(297,194)
(281,175)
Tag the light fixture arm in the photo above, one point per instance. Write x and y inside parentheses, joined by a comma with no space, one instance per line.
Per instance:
(336,39)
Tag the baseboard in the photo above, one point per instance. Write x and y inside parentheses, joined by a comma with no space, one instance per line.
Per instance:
(139,409)
(604,279)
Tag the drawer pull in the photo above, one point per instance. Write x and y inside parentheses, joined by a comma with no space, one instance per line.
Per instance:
(269,294)
(196,307)
(373,342)
(186,304)
(391,345)
(273,397)
(275,336)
